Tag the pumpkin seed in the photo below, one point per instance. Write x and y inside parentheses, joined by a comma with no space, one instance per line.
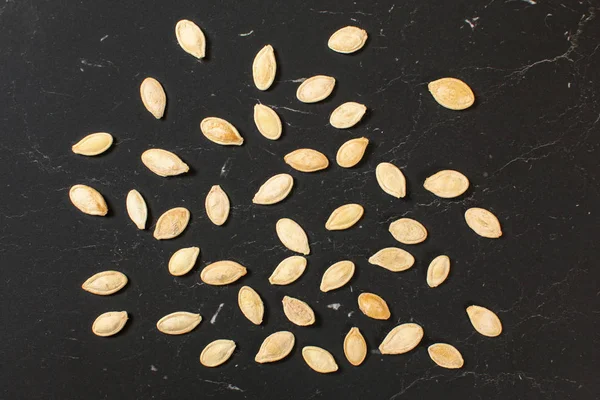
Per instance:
(217,352)
(222,273)
(337,275)
(154,97)
(172,223)
(137,209)
(393,259)
(264,68)
(402,339)
(445,355)
(351,152)
(178,323)
(315,89)
(319,359)
(219,131)
(483,222)
(217,205)
(251,305)
(267,122)
(408,231)
(109,323)
(191,38)
(484,321)
(298,311)
(93,144)
(292,236)
(105,283)
(274,190)
(306,160)
(288,271)
(164,163)
(347,115)
(88,200)
(355,347)
(344,217)
(391,179)
(452,93)
(275,347)
(373,306)
(348,40)
(183,260)
(447,184)
(438,271)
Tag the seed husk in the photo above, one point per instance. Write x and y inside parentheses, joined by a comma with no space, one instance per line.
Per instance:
(298,311)
(267,122)
(109,323)
(391,179)
(292,236)
(264,68)
(172,223)
(438,271)
(183,260)
(483,222)
(154,97)
(93,144)
(373,306)
(288,271)
(484,321)
(315,89)
(402,339)
(217,205)
(164,163)
(347,115)
(219,131)
(88,200)
(408,231)
(251,305)
(348,40)
(306,160)
(337,275)
(217,352)
(445,355)
(178,323)
(275,347)
(344,217)
(191,38)
(355,347)
(351,152)
(137,209)
(222,273)
(105,283)
(319,359)
(393,259)
(274,190)
(447,184)
(452,93)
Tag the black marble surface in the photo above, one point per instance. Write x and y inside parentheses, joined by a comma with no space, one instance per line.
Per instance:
(529,147)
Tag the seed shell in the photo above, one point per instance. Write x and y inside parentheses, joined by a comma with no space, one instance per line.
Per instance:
(154,97)
(445,355)
(447,184)
(178,323)
(402,339)
(292,236)
(275,347)
(222,273)
(264,68)
(105,283)
(391,179)
(373,306)
(267,122)
(88,200)
(274,190)
(483,222)
(438,271)
(164,163)
(319,359)
(109,323)
(351,152)
(298,311)
(393,259)
(288,271)
(217,352)
(315,89)
(191,38)
(172,223)
(484,321)
(219,131)
(137,209)
(355,347)
(217,205)
(347,115)
(93,144)
(337,275)
(408,231)
(251,305)
(183,260)
(306,160)
(344,217)
(348,40)
(452,93)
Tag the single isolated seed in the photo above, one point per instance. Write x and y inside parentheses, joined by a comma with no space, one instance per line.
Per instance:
(93,144)
(178,323)
(319,359)
(452,93)
(274,190)
(217,352)
(445,355)
(109,323)
(105,283)
(219,131)
(172,223)
(251,305)
(355,347)
(348,40)
(447,184)
(402,339)
(267,122)
(298,311)
(483,222)
(217,205)
(288,271)
(137,209)
(164,163)
(347,115)
(337,275)
(191,38)
(408,231)
(264,68)
(438,271)
(154,97)
(88,200)
(393,259)
(222,273)
(306,160)
(373,306)
(484,321)
(351,152)
(391,179)
(315,89)
(183,260)
(344,217)
(275,347)
(292,236)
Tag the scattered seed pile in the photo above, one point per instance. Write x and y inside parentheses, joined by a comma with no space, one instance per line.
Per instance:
(448,92)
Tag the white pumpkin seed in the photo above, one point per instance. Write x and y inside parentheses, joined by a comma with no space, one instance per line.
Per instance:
(337,275)
(347,115)
(408,231)
(452,93)
(315,89)
(306,160)
(391,179)
(438,271)
(191,38)
(217,352)
(154,97)
(217,205)
(164,163)
(484,321)
(183,260)
(344,217)
(88,200)
(393,259)
(275,347)
(348,40)
(447,184)
(319,359)
(292,236)
(172,223)
(274,190)
(137,209)
(445,355)
(105,283)
(355,347)
(298,311)
(222,273)
(93,144)
(219,131)
(251,305)
(351,152)
(267,122)
(178,323)
(264,68)
(483,222)
(402,339)
(373,306)
(109,323)
(288,271)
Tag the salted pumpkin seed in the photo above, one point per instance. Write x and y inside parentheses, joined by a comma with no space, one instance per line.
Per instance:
(348,40)
(191,38)
(306,160)
(264,68)
(337,275)
(452,93)
(178,323)
(393,259)
(438,271)
(298,311)
(183,260)
(137,209)
(351,152)
(402,339)
(154,97)
(355,347)
(483,222)
(219,131)
(217,352)
(222,273)
(274,190)
(373,306)
(172,223)
(88,200)
(105,283)
(344,217)
(445,355)
(347,115)
(93,144)
(217,205)
(267,122)
(288,271)
(408,231)
(484,321)
(251,305)
(447,184)
(275,347)
(109,323)
(319,359)
(391,179)
(292,236)
(164,163)
(315,89)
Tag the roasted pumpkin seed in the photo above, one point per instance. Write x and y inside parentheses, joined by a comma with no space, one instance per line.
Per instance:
(274,190)
(172,223)
(315,89)
(402,339)
(109,323)
(264,68)
(393,259)
(438,271)
(93,144)
(191,38)
(391,179)
(217,205)
(164,163)
(484,321)
(267,122)
(337,275)
(348,40)
(373,306)
(344,217)
(217,352)
(445,355)
(355,347)
(154,97)
(137,209)
(347,115)
(105,283)
(408,231)
(351,152)
(306,160)
(88,200)
(483,222)
(178,323)
(275,347)
(183,260)
(288,271)
(452,93)
(222,273)
(219,131)
(292,236)
(447,184)
(319,359)
(298,311)
(251,305)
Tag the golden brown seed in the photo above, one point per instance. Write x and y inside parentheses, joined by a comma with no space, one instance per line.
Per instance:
(347,115)
(402,339)
(251,305)
(373,306)
(217,205)
(105,283)
(355,347)
(217,352)
(344,217)
(337,275)
(88,200)
(298,311)
(154,97)
(306,160)
(264,68)
(391,179)
(452,93)
(483,222)
(288,271)
(438,271)
(267,122)
(183,260)
(172,223)
(275,347)
(109,323)
(393,259)
(447,184)
(274,190)
(222,273)
(315,89)
(178,323)
(219,131)
(351,152)
(348,40)
(484,321)
(408,231)
(93,144)
(164,163)
(137,209)
(191,38)
(292,236)
(319,359)
(445,355)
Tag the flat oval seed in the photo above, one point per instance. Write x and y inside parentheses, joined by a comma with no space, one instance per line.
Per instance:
(438,271)
(298,312)
(393,259)
(292,236)
(109,323)
(274,190)
(452,93)
(88,200)
(348,40)
(288,271)
(337,275)
(391,179)
(275,347)
(183,260)
(172,223)
(154,97)
(191,38)
(315,89)
(219,131)
(484,321)
(222,273)
(355,347)
(445,355)
(373,306)
(319,359)
(217,352)
(137,209)
(402,339)
(164,163)
(267,122)
(351,152)
(306,160)
(178,323)
(347,115)
(251,305)
(105,283)
(264,68)
(483,222)
(217,205)
(93,144)
(344,217)
(447,184)
(408,231)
